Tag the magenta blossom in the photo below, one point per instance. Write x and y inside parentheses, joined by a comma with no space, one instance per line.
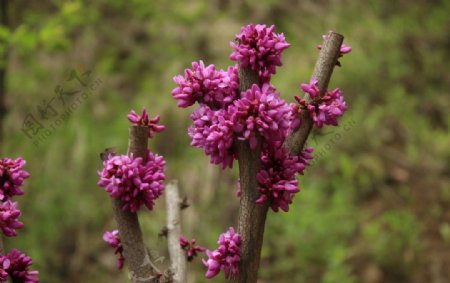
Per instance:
(312,89)
(190,248)
(261,111)
(4,266)
(276,181)
(113,240)
(143,120)
(206,85)
(326,110)
(345,49)
(213,132)
(134,181)
(225,257)
(12,176)
(9,215)
(260,48)
(17,265)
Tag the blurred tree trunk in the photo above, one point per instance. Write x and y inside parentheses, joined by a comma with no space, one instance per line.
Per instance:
(3,65)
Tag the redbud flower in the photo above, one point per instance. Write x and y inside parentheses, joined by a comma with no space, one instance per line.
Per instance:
(260,48)
(12,176)
(113,240)
(344,48)
(276,181)
(326,110)
(213,132)
(225,257)
(134,182)
(9,215)
(206,85)
(4,265)
(143,120)
(190,247)
(19,265)
(295,116)
(312,89)
(261,110)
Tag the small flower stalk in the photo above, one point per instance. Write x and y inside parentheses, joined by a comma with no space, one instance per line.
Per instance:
(191,248)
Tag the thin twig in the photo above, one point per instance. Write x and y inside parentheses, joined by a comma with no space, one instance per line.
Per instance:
(322,72)
(134,251)
(177,255)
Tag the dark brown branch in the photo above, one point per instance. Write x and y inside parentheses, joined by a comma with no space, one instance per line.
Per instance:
(130,233)
(177,255)
(322,72)
(252,217)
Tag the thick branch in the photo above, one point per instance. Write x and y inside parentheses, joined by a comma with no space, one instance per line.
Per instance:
(177,255)
(322,72)
(252,217)
(130,233)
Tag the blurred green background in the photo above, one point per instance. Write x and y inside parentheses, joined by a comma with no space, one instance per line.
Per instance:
(374,207)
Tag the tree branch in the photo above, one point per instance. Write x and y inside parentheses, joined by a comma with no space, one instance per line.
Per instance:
(322,72)
(130,233)
(252,217)
(177,255)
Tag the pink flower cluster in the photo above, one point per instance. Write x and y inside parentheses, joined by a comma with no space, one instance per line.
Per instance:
(312,89)
(9,215)
(260,48)
(12,176)
(323,110)
(256,114)
(14,264)
(190,248)
(17,266)
(276,181)
(143,120)
(345,49)
(260,110)
(213,132)
(134,181)
(4,265)
(113,240)
(226,257)
(206,85)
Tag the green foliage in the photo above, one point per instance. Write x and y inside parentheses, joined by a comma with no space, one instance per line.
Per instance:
(381,235)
